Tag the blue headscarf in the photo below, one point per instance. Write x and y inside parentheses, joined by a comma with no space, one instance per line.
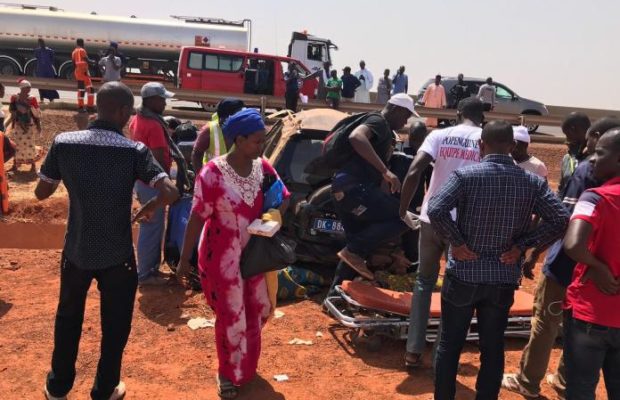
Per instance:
(243,123)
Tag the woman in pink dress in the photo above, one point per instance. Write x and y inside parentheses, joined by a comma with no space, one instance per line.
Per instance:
(227,198)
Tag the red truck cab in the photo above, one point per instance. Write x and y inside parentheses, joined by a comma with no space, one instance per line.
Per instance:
(237,72)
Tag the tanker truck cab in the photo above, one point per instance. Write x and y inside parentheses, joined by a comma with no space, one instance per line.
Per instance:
(237,72)
(311,50)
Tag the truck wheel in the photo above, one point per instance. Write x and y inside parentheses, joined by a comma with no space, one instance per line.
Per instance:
(66,71)
(9,66)
(30,67)
(530,127)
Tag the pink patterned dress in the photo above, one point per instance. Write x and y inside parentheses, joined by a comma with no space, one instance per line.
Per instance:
(228,203)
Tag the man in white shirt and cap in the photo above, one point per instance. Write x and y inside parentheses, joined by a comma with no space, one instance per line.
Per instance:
(362,94)
(521,156)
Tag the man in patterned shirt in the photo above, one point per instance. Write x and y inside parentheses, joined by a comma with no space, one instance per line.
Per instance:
(99,167)
(494,201)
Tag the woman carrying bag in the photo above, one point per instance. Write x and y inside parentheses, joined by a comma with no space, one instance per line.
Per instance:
(228,197)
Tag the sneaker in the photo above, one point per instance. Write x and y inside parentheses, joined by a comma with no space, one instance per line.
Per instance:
(48,396)
(511,383)
(558,390)
(119,392)
(153,280)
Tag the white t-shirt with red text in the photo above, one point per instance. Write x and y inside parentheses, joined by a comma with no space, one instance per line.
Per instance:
(451,148)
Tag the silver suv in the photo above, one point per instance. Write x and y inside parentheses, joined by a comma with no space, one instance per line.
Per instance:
(507,101)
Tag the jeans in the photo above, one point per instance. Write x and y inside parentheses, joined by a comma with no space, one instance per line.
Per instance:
(366,230)
(459,301)
(545,327)
(432,247)
(151,234)
(369,216)
(117,286)
(588,348)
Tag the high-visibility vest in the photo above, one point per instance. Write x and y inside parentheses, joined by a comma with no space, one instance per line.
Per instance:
(4,185)
(217,144)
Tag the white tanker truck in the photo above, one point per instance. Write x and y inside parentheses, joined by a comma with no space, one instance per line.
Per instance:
(151,47)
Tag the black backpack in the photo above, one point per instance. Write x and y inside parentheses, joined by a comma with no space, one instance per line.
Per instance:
(337,149)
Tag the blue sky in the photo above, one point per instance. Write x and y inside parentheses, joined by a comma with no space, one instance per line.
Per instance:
(558,52)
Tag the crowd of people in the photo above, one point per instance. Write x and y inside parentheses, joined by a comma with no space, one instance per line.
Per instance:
(483,203)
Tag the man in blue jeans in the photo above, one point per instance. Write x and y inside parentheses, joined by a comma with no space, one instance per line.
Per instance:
(368,213)
(148,127)
(592,320)
(494,201)
(450,149)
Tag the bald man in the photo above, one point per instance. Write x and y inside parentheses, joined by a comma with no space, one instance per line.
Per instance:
(99,167)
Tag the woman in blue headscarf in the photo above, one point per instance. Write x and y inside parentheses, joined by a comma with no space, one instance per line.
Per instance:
(228,196)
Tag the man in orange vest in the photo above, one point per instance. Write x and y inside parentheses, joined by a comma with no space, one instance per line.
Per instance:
(82,76)
(7,151)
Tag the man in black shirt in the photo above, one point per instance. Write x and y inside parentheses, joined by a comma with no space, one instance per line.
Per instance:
(460,91)
(291,94)
(99,167)
(349,84)
(369,215)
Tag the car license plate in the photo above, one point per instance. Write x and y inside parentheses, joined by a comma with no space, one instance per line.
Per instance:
(328,225)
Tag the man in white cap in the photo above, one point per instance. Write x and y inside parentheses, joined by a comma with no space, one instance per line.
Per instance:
(450,148)
(521,156)
(148,127)
(362,93)
(369,215)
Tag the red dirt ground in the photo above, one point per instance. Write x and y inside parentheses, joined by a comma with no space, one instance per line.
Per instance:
(166,360)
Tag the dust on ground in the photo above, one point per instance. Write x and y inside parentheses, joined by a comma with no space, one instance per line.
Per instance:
(165,359)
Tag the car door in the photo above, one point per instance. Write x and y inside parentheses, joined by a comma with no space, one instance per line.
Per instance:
(192,72)
(504,98)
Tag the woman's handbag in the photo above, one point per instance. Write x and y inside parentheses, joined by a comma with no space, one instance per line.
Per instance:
(263,254)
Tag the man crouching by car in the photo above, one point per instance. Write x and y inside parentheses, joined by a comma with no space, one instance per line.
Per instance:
(369,215)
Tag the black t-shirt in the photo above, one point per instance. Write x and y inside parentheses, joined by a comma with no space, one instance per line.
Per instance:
(349,84)
(99,167)
(357,170)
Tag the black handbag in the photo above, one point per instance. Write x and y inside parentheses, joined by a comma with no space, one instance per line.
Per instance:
(263,254)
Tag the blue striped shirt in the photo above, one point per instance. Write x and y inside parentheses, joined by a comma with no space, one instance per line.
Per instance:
(495,201)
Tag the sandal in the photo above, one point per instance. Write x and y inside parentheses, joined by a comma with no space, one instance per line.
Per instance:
(413,360)
(512,384)
(225,388)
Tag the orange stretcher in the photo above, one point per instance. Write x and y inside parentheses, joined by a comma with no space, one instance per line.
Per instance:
(366,308)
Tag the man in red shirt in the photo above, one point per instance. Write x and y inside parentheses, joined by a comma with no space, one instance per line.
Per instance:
(592,323)
(148,127)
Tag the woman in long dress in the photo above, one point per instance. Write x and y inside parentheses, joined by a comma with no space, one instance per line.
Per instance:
(25,123)
(227,198)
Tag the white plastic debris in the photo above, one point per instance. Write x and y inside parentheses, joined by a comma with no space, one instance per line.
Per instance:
(297,341)
(319,334)
(200,322)
(278,314)
(281,378)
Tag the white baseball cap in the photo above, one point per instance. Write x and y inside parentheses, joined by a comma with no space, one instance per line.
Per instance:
(521,134)
(405,101)
(152,89)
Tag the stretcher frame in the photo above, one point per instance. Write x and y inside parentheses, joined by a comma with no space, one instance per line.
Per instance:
(364,320)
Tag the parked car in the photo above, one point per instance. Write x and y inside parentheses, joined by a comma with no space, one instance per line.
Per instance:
(507,101)
(295,147)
